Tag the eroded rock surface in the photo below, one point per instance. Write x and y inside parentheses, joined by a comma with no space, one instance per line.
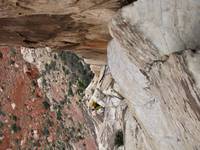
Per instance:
(78,25)
(171,25)
(63,78)
(162,91)
(146,97)
(106,107)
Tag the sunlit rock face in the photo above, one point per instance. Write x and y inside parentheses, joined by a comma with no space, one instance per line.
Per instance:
(106,107)
(162,91)
(171,25)
(145,93)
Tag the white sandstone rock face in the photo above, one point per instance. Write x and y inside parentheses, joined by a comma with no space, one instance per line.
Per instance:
(193,62)
(110,118)
(171,25)
(144,106)
(134,135)
(167,120)
(162,93)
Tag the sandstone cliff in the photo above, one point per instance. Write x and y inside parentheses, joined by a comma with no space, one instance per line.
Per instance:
(154,58)
(78,25)
(145,93)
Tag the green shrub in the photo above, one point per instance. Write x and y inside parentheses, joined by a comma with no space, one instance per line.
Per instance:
(66,100)
(74,63)
(60,145)
(70,92)
(1,124)
(34,83)
(45,131)
(46,104)
(13,52)
(51,66)
(44,82)
(119,139)
(50,122)
(59,114)
(1,55)
(2,113)
(66,71)
(15,128)
(13,117)
(11,62)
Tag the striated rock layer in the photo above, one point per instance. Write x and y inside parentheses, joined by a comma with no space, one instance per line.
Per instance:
(78,25)
(147,98)
(106,107)
(162,91)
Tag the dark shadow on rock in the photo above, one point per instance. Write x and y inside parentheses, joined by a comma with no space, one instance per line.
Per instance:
(126,2)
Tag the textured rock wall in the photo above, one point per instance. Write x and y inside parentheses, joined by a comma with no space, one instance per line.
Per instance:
(153,62)
(161,91)
(63,87)
(108,116)
(171,25)
(78,25)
